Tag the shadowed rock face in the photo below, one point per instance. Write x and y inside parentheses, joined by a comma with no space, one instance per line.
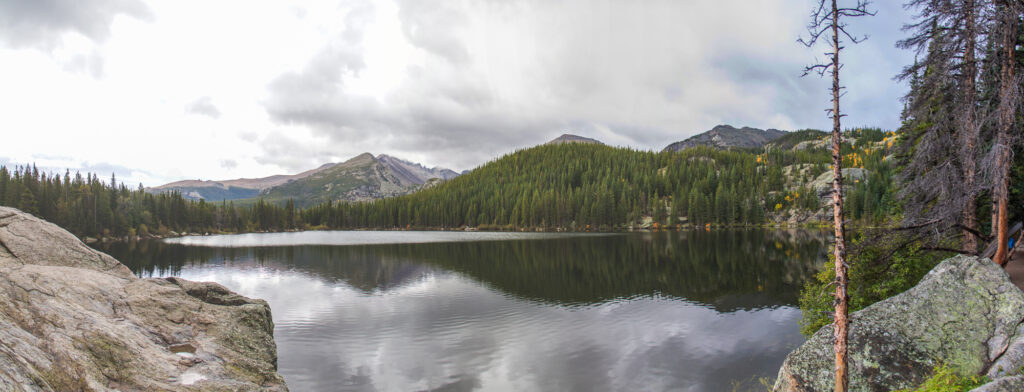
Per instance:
(72,318)
(965,314)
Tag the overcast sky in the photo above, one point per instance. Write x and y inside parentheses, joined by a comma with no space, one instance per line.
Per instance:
(162,90)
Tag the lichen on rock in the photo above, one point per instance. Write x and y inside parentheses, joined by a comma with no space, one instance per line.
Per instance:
(965,314)
(73,318)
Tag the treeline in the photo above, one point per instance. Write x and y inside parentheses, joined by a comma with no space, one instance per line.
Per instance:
(569,186)
(88,206)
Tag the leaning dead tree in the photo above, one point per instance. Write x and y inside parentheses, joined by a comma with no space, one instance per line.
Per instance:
(1007,29)
(942,125)
(967,121)
(962,101)
(826,23)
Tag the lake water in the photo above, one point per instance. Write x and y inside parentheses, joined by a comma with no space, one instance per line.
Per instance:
(463,311)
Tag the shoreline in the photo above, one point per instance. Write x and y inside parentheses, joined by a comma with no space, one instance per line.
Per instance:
(495,229)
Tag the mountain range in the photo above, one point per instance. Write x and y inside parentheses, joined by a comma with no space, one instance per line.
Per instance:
(368,177)
(363,177)
(721,137)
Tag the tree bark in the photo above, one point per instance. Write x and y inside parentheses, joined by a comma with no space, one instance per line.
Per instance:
(842,322)
(1007,107)
(994,225)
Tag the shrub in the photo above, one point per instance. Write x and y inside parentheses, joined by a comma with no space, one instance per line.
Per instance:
(877,271)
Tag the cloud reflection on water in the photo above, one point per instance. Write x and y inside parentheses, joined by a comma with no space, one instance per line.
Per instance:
(688,311)
(443,329)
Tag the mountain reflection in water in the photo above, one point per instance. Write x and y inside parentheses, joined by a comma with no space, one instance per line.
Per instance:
(690,311)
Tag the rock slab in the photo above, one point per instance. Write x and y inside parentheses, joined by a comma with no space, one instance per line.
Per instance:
(965,314)
(75,319)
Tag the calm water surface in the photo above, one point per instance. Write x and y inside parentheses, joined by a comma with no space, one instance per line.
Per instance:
(451,311)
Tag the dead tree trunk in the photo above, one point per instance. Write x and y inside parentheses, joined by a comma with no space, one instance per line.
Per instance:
(826,20)
(1009,23)
(968,125)
(842,301)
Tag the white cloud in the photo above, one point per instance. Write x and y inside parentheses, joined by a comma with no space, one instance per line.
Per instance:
(297,84)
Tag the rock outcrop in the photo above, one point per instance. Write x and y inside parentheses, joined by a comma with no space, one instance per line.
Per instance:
(727,136)
(822,185)
(75,319)
(570,138)
(965,314)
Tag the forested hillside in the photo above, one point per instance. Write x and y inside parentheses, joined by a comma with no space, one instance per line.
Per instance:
(596,187)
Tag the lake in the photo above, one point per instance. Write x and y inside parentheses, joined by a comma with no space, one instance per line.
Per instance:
(463,311)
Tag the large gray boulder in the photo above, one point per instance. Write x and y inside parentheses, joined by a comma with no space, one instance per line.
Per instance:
(72,318)
(965,314)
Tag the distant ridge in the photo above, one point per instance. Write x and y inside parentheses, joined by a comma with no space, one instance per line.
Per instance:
(414,172)
(241,188)
(363,177)
(727,136)
(245,183)
(569,138)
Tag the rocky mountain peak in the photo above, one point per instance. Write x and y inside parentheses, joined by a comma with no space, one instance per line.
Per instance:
(727,136)
(361,159)
(570,138)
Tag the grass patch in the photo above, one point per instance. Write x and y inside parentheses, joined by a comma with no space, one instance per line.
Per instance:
(945,379)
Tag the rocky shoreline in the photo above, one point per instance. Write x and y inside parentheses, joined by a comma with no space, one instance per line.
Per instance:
(965,314)
(73,318)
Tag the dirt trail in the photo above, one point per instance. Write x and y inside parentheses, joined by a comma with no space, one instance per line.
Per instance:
(1016,269)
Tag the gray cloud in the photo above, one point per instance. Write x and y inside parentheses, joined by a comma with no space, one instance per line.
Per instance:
(40,23)
(203,106)
(432,27)
(90,63)
(228,163)
(314,96)
(249,136)
(292,155)
(518,73)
